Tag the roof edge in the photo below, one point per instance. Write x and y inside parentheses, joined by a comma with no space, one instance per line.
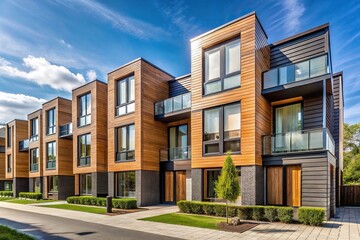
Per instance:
(85,84)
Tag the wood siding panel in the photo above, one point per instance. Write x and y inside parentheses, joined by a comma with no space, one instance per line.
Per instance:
(180,185)
(293,185)
(2,159)
(274,188)
(169,186)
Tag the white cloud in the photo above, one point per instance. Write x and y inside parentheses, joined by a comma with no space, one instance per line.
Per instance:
(294,10)
(352,114)
(43,72)
(17,106)
(91,75)
(64,43)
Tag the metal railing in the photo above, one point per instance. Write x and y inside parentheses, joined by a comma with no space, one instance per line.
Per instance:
(173,154)
(65,130)
(298,141)
(51,165)
(85,161)
(34,167)
(24,145)
(173,104)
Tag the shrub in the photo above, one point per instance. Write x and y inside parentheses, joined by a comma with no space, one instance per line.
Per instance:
(6,193)
(208,208)
(285,214)
(258,213)
(232,211)
(30,195)
(184,206)
(271,213)
(196,207)
(311,216)
(245,212)
(122,203)
(220,210)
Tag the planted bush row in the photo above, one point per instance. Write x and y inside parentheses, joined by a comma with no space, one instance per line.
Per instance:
(6,193)
(311,215)
(122,203)
(30,195)
(258,213)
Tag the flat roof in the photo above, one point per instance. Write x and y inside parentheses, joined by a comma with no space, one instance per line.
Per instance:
(85,84)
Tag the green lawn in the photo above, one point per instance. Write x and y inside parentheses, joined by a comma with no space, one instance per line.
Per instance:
(4,198)
(89,209)
(25,201)
(10,234)
(187,220)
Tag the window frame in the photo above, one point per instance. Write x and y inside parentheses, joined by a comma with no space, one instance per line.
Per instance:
(87,115)
(222,48)
(117,183)
(87,157)
(51,183)
(284,105)
(53,143)
(34,123)
(84,177)
(9,163)
(53,126)
(127,143)
(37,153)
(9,137)
(119,105)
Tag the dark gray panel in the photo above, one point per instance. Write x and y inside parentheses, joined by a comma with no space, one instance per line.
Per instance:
(20,185)
(197,184)
(111,184)
(313,112)
(178,87)
(66,187)
(252,185)
(147,187)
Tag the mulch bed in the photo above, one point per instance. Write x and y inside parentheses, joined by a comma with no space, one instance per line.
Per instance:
(242,227)
(125,211)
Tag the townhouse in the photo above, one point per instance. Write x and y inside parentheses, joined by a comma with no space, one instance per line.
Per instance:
(4,184)
(278,108)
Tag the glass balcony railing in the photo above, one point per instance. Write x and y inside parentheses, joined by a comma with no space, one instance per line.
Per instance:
(51,165)
(34,167)
(177,153)
(296,72)
(173,104)
(24,145)
(298,141)
(65,130)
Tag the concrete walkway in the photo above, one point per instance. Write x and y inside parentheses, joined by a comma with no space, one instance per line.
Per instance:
(345,226)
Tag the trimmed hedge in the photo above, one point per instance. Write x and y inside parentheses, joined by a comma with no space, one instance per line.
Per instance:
(30,195)
(122,203)
(6,193)
(311,215)
(267,213)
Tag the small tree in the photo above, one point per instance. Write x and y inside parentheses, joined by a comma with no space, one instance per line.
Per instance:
(227,187)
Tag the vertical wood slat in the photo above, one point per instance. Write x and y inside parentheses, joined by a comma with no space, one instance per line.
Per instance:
(180,185)
(293,185)
(350,195)
(169,186)
(274,185)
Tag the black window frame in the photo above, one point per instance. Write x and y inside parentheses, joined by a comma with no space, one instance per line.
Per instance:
(117,184)
(221,141)
(285,105)
(187,147)
(9,163)
(34,167)
(34,123)
(87,158)
(87,115)
(83,177)
(51,183)
(54,155)
(222,47)
(51,126)
(118,96)
(117,152)
(9,137)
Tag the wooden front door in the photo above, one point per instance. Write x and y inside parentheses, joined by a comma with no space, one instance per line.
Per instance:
(274,185)
(293,185)
(180,185)
(169,187)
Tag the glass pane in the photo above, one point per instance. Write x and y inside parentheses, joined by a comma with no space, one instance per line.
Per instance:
(130,108)
(233,146)
(212,64)
(271,78)
(159,108)
(286,74)
(82,146)
(88,183)
(232,82)
(212,148)
(281,142)
(299,141)
(182,136)
(186,98)
(212,177)
(82,105)
(123,145)
(122,92)
(301,71)
(121,110)
(177,103)
(316,140)
(88,103)
(126,184)
(288,118)
(211,124)
(232,51)
(168,105)
(131,89)
(212,87)
(318,66)
(88,145)
(232,121)
(131,137)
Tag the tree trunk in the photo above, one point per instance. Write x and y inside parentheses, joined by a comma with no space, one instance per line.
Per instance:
(227,218)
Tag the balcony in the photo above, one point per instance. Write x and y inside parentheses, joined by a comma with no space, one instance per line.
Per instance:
(174,154)
(50,165)
(24,145)
(298,142)
(173,109)
(83,162)
(66,131)
(34,167)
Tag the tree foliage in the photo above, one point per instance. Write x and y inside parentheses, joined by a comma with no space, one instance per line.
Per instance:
(351,153)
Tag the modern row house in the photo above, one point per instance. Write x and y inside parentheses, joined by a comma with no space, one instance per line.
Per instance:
(145,134)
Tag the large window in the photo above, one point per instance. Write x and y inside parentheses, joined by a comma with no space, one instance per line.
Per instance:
(211,177)
(222,129)
(125,97)
(84,110)
(51,155)
(8,164)
(34,160)
(9,136)
(178,142)
(125,182)
(53,184)
(288,118)
(222,67)
(84,142)
(34,131)
(36,184)
(8,186)
(50,121)
(85,184)
(125,143)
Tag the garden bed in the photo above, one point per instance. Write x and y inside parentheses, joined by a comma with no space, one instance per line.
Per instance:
(242,227)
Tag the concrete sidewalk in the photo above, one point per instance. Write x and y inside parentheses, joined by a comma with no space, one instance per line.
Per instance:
(345,226)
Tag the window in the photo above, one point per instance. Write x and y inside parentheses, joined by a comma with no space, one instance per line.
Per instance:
(51,126)
(34,160)
(37,184)
(34,130)
(53,184)
(125,182)
(125,99)
(8,163)
(125,143)
(85,184)
(211,177)
(222,129)
(84,110)
(9,135)
(51,155)
(222,67)
(178,142)
(8,186)
(84,143)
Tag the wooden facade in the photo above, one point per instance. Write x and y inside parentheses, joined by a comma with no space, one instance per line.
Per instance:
(2,156)
(36,144)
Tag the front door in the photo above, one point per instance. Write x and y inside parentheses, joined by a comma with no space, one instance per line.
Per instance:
(180,185)
(274,185)
(169,187)
(293,185)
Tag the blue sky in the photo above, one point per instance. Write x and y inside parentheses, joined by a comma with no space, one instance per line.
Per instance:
(49,47)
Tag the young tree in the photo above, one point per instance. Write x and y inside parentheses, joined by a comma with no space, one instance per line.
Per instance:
(227,187)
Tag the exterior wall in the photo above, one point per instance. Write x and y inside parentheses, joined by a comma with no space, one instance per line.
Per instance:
(2,160)
(180,86)
(65,188)
(147,187)
(313,112)
(36,144)
(197,189)
(20,185)
(252,185)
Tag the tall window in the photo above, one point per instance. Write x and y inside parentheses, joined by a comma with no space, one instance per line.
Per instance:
(37,184)
(85,184)
(53,184)
(125,182)
(288,118)
(9,136)
(84,142)
(50,121)
(125,98)
(211,177)
(51,155)
(222,67)
(84,110)
(178,142)
(222,129)
(34,131)
(125,143)
(8,186)
(34,160)
(8,163)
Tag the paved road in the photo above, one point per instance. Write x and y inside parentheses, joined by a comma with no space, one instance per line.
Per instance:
(51,227)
